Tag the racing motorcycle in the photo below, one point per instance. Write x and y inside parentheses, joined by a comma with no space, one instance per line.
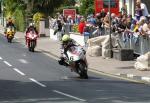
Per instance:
(31,39)
(76,60)
(10,32)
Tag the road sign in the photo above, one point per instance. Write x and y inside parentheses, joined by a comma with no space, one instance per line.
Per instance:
(69,12)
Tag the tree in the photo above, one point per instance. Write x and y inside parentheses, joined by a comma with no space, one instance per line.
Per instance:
(87,7)
(23,9)
(15,10)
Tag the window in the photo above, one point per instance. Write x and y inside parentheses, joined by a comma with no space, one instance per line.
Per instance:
(47,23)
(113,4)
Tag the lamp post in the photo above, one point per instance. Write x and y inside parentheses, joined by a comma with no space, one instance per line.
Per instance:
(2,12)
(110,44)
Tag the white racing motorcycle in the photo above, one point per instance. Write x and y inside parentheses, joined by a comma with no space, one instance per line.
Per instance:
(76,60)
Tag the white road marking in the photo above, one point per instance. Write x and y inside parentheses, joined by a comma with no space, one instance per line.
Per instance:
(17,70)
(35,81)
(1,58)
(24,55)
(69,95)
(23,61)
(7,63)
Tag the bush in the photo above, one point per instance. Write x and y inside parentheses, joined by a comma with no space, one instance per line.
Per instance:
(75,28)
(37,17)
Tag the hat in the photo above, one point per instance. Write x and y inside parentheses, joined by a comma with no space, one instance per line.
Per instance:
(82,20)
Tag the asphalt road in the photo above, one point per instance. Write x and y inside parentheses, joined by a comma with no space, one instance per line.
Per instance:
(27,77)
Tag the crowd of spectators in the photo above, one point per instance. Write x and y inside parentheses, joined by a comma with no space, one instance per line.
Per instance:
(99,24)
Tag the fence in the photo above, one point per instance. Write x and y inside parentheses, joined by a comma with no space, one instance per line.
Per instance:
(139,43)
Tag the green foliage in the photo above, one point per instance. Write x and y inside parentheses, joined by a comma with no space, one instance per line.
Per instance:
(19,20)
(15,9)
(45,6)
(89,10)
(22,10)
(87,7)
(75,28)
(69,3)
(37,17)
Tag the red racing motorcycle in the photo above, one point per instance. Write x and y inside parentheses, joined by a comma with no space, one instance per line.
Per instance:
(31,40)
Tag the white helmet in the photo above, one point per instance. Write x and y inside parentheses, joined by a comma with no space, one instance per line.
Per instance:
(31,24)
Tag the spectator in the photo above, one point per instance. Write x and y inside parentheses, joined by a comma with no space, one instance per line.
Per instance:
(143,8)
(81,26)
(146,28)
(87,32)
(103,13)
(59,29)
(138,12)
(137,25)
(124,10)
(133,24)
(106,20)
(10,23)
(92,19)
(141,23)
(70,23)
(99,23)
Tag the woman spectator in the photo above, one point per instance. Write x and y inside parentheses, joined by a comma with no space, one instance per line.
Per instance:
(81,26)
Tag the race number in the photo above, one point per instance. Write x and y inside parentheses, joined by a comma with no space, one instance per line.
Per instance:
(71,58)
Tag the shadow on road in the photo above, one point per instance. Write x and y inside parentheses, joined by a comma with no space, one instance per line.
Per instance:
(94,90)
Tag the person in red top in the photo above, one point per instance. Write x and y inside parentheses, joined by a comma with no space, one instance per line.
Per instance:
(81,26)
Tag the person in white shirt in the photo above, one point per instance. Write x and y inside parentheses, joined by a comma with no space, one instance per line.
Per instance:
(143,8)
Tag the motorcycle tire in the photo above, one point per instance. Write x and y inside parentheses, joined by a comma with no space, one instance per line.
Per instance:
(82,69)
(9,40)
(29,48)
(32,46)
(32,49)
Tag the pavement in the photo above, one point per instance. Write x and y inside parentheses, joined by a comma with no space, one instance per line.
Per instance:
(110,67)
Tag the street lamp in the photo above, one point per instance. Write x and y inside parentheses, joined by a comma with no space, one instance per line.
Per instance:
(110,44)
(2,11)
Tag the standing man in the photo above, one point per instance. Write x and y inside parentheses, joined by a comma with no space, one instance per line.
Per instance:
(143,8)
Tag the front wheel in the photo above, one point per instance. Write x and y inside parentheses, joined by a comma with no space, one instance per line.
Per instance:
(9,38)
(82,69)
(32,45)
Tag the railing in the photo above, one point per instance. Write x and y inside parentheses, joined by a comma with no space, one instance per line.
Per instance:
(139,43)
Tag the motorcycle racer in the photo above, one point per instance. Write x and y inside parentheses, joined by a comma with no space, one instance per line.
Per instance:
(67,42)
(30,28)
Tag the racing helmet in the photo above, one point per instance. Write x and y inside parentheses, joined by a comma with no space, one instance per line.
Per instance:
(31,24)
(9,19)
(65,38)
